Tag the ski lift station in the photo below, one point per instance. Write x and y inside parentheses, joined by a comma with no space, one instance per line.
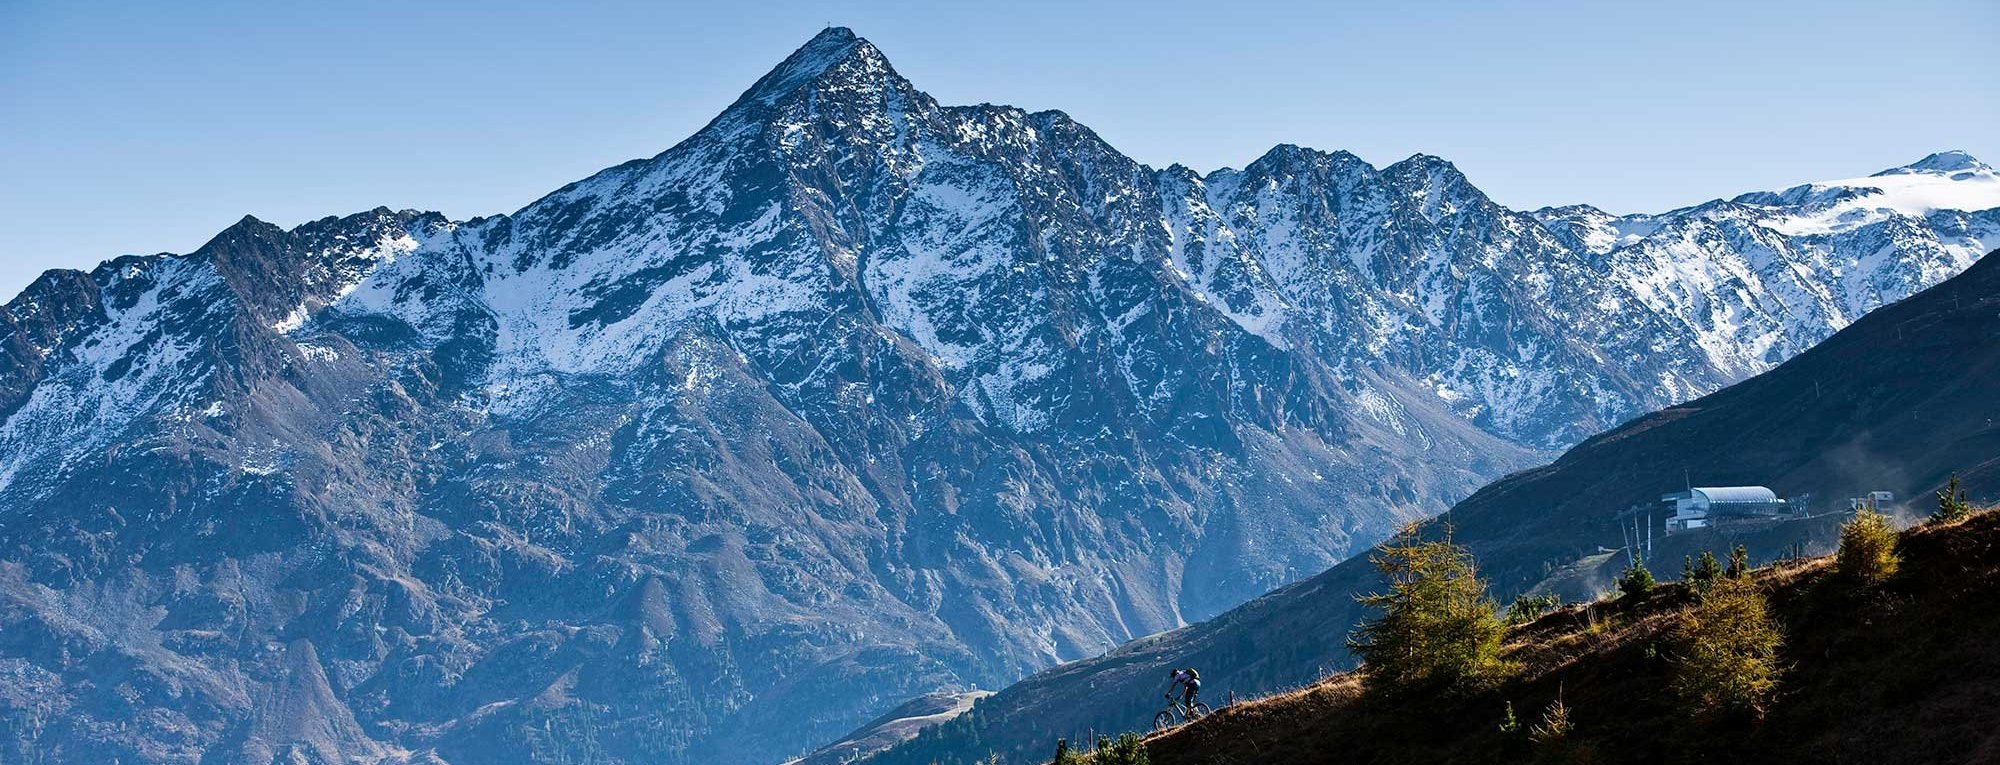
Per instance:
(1878,501)
(1704,506)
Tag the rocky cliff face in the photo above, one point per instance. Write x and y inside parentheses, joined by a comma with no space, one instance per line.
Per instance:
(847,398)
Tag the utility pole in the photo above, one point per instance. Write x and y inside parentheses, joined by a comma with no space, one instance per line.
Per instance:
(1635,535)
(1628,544)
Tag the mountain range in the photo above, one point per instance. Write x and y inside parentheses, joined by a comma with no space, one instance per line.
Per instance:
(848,398)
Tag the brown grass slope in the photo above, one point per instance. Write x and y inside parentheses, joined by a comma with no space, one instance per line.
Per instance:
(1905,673)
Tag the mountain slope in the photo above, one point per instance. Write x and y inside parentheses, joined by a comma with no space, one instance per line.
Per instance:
(1896,401)
(892,728)
(1903,675)
(850,395)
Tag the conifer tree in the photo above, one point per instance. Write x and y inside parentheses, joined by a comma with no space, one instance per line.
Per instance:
(1739,562)
(1704,575)
(1510,724)
(1555,727)
(1952,505)
(1867,551)
(1636,581)
(1437,627)
(1065,755)
(1726,655)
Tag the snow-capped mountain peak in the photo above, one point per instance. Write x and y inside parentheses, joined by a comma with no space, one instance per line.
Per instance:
(1953,161)
(830,49)
(1943,181)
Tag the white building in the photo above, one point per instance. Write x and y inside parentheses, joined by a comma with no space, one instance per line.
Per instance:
(1876,500)
(1704,506)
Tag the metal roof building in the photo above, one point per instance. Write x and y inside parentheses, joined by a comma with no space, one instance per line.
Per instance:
(1733,495)
(1700,506)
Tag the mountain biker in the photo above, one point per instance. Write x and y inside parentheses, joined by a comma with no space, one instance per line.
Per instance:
(1188,681)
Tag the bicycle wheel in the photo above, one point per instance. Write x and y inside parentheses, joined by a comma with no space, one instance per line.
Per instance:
(1200,710)
(1163,720)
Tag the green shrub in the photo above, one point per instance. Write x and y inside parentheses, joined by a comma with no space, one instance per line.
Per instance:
(1952,505)
(1726,651)
(1867,552)
(1127,750)
(1437,627)
(1637,581)
(1526,609)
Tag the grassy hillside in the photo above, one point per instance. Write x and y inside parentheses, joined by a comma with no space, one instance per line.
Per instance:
(1905,672)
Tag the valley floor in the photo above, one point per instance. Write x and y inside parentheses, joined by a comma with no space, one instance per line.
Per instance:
(1908,672)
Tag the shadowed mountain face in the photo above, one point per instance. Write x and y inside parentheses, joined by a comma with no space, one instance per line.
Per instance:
(1898,401)
(847,398)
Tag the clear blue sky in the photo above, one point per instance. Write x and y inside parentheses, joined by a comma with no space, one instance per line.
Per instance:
(142,127)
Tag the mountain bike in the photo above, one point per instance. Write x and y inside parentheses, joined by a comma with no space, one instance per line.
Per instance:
(1177,713)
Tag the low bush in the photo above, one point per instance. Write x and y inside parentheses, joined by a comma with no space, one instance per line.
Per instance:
(1127,749)
(1526,609)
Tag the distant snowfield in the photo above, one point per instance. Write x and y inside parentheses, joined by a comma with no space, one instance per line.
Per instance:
(1956,183)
